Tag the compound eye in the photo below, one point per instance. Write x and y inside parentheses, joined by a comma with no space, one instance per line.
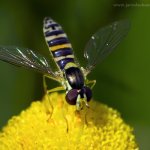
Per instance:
(88,93)
(71,96)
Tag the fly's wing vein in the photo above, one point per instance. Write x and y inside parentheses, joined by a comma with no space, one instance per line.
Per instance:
(103,42)
(27,58)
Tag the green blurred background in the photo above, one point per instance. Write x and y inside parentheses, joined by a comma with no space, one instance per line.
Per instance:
(123,79)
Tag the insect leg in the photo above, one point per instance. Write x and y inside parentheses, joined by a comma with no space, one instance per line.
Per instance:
(91,82)
(44,84)
(78,103)
(49,104)
(59,88)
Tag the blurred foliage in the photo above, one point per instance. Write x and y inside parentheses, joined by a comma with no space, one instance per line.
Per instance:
(122,79)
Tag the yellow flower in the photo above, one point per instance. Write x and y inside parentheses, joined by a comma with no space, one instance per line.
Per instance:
(54,125)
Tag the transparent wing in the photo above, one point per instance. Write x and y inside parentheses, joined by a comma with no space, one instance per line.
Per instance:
(104,41)
(26,58)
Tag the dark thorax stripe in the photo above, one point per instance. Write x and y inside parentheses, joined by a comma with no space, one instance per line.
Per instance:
(52,33)
(53,25)
(58,41)
(62,52)
(64,61)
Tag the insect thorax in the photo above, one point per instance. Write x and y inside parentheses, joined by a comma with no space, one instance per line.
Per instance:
(74,77)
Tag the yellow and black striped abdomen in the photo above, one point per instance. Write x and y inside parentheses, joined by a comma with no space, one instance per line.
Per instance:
(58,43)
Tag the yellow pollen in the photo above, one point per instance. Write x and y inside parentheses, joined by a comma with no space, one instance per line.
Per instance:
(52,124)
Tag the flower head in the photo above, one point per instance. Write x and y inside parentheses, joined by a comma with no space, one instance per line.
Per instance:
(53,124)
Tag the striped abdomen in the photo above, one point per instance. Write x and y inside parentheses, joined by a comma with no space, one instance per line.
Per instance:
(58,43)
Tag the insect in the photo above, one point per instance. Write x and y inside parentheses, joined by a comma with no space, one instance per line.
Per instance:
(69,73)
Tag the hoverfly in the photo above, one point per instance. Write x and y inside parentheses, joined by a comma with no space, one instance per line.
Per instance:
(69,74)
